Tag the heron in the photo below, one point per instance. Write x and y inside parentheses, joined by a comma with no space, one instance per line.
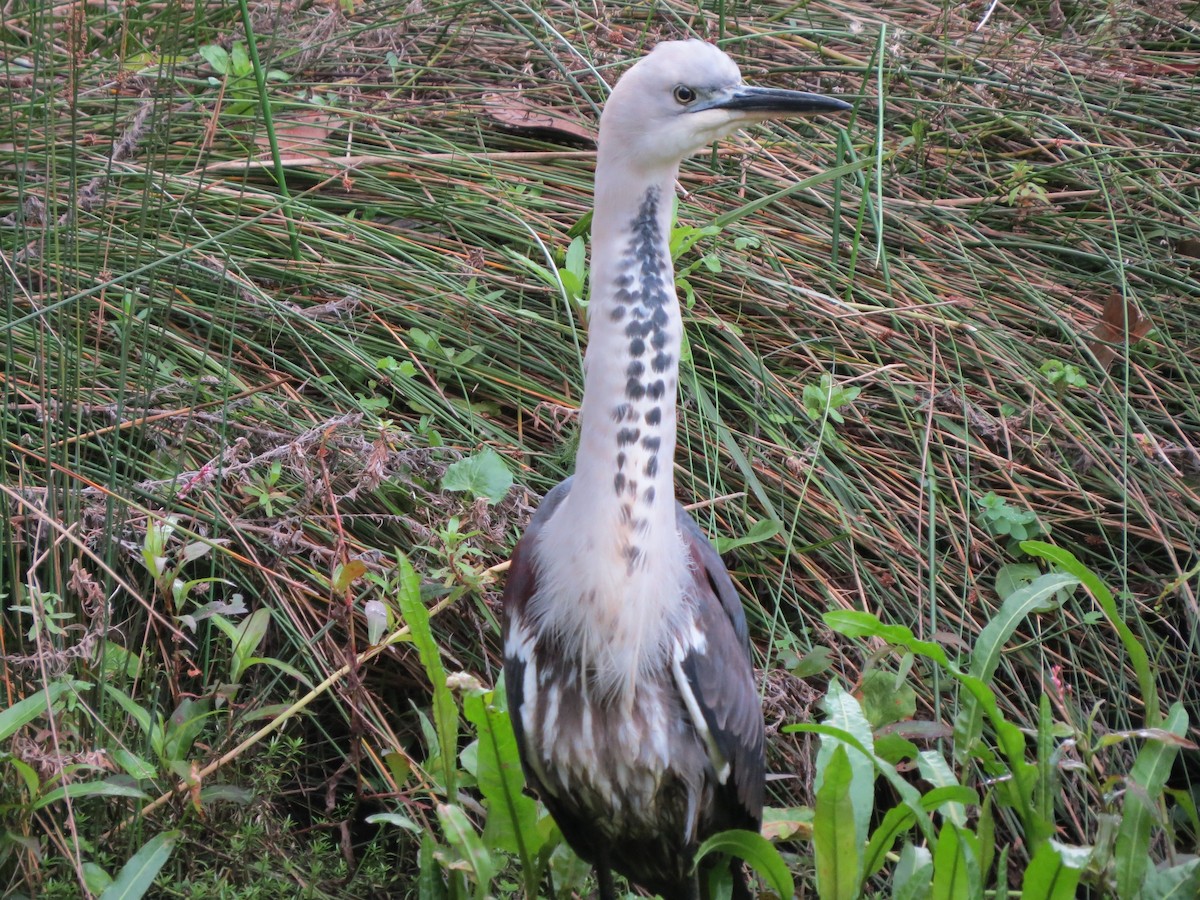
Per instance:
(627,658)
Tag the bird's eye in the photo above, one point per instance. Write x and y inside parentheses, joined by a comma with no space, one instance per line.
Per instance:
(684,94)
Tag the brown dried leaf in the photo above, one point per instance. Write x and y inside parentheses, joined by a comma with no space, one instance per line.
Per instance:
(513,111)
(1108,334)
(303,135)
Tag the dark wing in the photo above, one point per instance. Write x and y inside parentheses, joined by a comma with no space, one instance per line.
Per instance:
(722,679)
(520,586)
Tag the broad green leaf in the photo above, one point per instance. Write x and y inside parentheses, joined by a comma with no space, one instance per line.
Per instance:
(79,789)
(512,814)
(1143,795)
(28,773)
(900,819)
(814,662)
(240,59)
(1181,882)
(843,712)
(184,726)
(758,853)
(1044,593)
(908,793)
(95,878)
(135,767)
(445,711)
(956,866)
(463,837)
(225,793)
(137,713)
(397,819)
(887,698)
(936,771)
(217,57)
(1065,560)
(485,474)
(1052,874)
(430,884)
(913,874)
(836,848)
(854,623)
(248,634)
(138,874)
(272,662)
(25,711)
(762,530)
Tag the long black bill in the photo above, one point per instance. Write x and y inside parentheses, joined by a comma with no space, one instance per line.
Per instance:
(776,101)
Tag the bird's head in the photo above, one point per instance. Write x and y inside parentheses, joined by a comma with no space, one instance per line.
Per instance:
(684,95)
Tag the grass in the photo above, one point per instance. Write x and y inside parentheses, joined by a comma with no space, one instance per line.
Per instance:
(235,378)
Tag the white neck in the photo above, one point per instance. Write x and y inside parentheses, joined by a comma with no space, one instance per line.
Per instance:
(613,562)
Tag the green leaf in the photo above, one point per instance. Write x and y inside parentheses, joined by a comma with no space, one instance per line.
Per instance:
(815,661)
(217,57)
(836,849)
(445,712)
(1041,595)
(25,711)
(430,884)
(913,874)
(28,774)
(908,793)
(577,261)
(465,839)
(397,819)
(95,878)
(240,59)
(138,874)
(485,474)
(183,727)
(758,853)
(133,765)
(512,814)
(844,713)
(936,771)
(1181,882)
(762,530)
(78,789)
(1052,874)
(854,623)
(956,866)
(900,819)
(1065,560)
(225,793)
(887,698)
(1143,794)
(137,713)
(245,639)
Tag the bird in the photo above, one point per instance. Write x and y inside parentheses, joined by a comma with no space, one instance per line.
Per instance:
(627,661)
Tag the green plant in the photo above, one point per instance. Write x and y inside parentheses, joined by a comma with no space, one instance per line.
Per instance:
(484,475)
(955,850)
(822,403)
(236,71)
(1024,186)
(1003,519)
(263,489)
(1063,377)
(466,857)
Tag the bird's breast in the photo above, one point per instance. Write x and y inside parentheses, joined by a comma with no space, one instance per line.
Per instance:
(626,760)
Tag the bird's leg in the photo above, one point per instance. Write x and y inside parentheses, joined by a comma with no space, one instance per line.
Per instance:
(741,884)
(604,877)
